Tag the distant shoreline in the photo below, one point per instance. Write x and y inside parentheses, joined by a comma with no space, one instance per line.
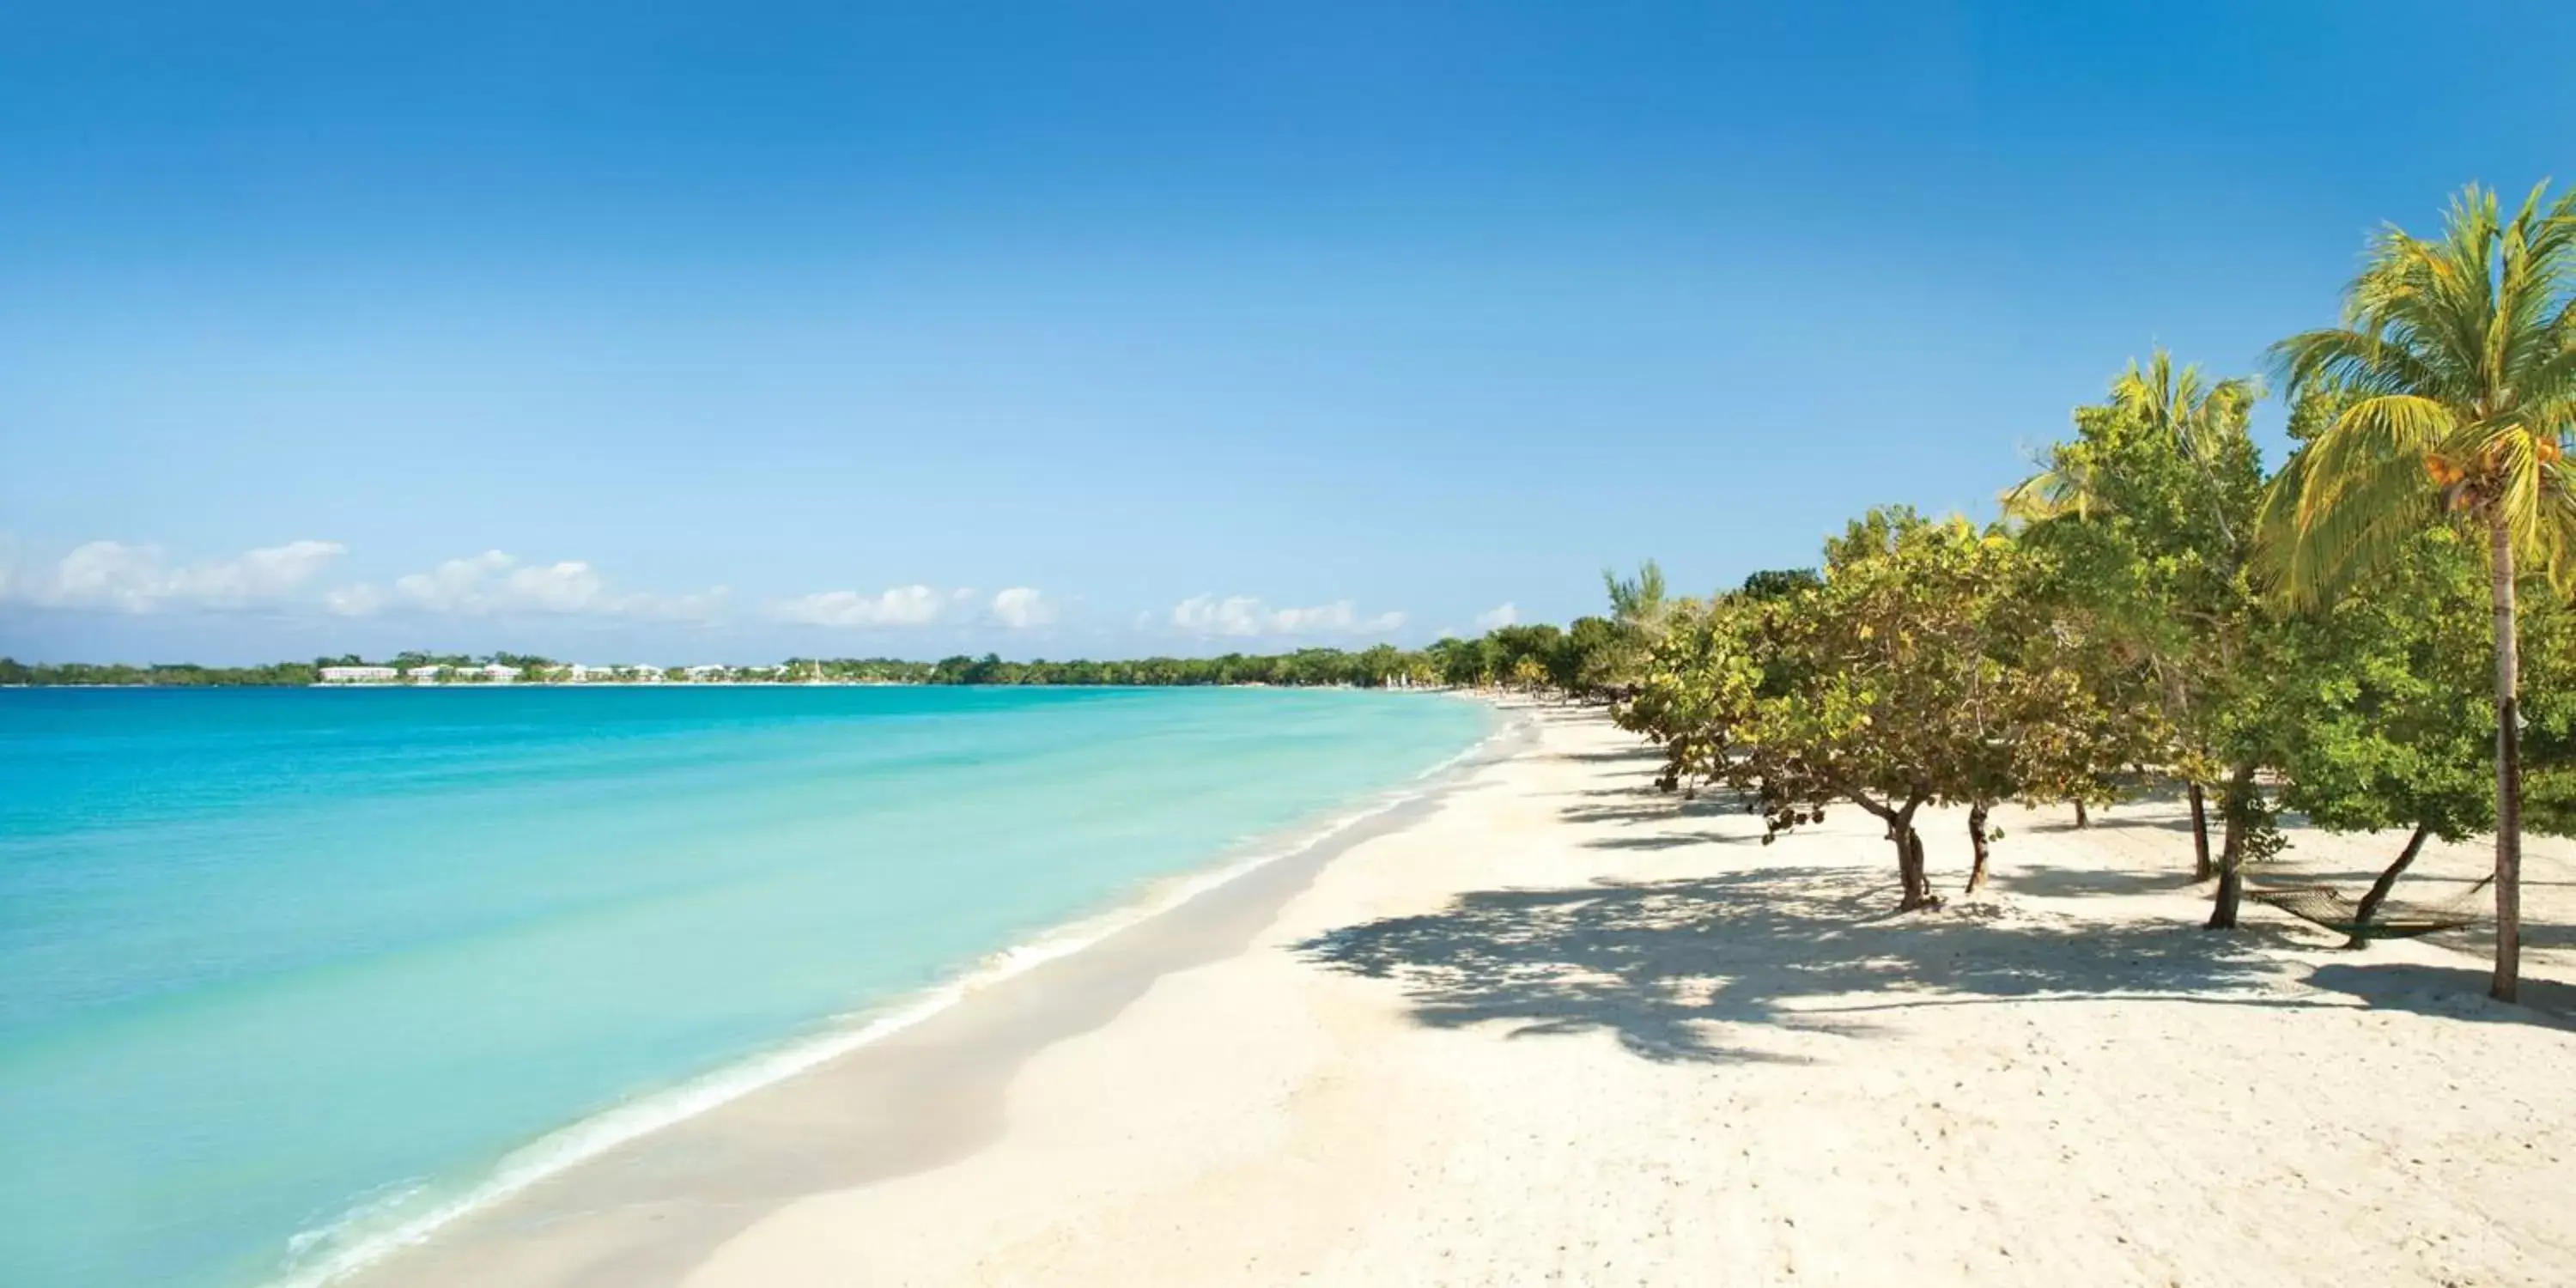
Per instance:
(771,684)
(1531,657)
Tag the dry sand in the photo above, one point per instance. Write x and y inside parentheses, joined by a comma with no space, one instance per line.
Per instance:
(1559,1028)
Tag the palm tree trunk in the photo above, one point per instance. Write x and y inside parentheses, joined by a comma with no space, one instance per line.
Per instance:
(2200,869)
(2508,674)
(2387,881)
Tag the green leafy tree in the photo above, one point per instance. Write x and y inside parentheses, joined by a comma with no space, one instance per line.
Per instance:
(2391,723)
(1899,681)
(2151,511)
(1596,656)
(2060,711)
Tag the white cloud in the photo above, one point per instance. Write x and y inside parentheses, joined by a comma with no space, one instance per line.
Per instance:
(1017,608)
(132,578)
(353,601)
(1021,608)
(1503,614)
(901,606)
(456,586)
(496,583)
(1244,616)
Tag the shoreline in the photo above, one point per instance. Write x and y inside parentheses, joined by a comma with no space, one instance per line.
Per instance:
(1551,1025)
(1234,883)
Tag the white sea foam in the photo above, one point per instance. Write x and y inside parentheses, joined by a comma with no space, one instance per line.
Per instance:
(385,1222)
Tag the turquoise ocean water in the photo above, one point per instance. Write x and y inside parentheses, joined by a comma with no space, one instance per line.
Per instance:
(284,970)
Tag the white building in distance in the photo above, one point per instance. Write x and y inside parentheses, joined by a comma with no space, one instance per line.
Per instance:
(359,675)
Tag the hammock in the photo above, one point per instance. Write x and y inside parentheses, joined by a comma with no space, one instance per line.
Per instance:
(2394,919)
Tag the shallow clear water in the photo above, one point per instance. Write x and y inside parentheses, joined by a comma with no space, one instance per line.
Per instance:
(269,956)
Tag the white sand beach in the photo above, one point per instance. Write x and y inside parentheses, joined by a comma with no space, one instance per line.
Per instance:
(1557,1028)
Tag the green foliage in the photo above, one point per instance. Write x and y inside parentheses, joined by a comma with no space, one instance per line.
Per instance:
(1779,583)
(1638,603)
(1926,665)
(2149,514)
(1595,655)
(2392,722)
(1613,661)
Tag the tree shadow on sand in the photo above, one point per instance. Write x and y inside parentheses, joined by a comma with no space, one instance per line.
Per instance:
(1694,969)
(1640,755)
(1651,809)
(2053,881)
(1665,841)
(2109,823)
(2452,992)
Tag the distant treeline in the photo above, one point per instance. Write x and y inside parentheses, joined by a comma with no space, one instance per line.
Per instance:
(167,675)
(1524,657)
(1512,656)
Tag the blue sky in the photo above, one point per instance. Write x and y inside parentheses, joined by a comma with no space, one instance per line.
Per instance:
(729,332)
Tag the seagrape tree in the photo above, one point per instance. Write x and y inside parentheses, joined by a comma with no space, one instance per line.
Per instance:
(1689,683)
(1931,663)
(1918,671)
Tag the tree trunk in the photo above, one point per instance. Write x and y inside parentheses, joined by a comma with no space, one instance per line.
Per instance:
(2200,868)
(2231,828)
(2508,675)
(1919,894)
(2230,896)
(2080,819)
(2231,892)
(2231,854)
(1909,861)
(1977,843)
(1897,834)
(2387,881)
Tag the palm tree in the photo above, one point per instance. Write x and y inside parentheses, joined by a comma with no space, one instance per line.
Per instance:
(2451,397)
(2066,483)
(2181,404)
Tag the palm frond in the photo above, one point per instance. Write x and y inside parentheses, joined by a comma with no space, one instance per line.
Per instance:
(2373,435)
(2553,544)
(2316,549)
(2061,489)
(2350,498)
(2350,359)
